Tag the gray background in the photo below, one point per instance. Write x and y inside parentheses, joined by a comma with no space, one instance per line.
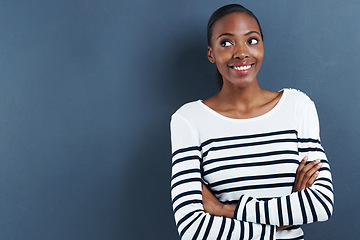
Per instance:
(87,88)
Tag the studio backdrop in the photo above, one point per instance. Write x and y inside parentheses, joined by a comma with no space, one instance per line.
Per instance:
(87,88)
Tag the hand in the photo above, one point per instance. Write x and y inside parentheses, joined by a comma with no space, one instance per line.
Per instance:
(305,177)
(306,174)
(210,203)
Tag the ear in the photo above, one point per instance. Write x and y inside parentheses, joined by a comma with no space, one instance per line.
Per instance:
(210,55)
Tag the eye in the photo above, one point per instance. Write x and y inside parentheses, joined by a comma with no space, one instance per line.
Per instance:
(253,41)
(225,43)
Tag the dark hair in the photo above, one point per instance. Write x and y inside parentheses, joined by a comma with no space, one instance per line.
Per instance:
(219,13)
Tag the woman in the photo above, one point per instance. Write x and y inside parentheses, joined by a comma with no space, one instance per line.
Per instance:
(239,158)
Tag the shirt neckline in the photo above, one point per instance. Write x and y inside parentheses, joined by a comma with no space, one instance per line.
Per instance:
(268,113)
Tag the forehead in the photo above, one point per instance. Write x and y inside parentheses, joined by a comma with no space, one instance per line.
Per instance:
(236,23)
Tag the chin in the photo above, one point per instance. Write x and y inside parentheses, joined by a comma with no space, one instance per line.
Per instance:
(243,83)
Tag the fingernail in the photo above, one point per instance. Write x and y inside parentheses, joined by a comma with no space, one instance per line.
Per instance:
(317,173)
(320,165)
(317,160)
(306,158)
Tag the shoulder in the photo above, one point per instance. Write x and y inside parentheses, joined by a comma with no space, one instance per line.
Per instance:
(182,121)
(297,102)
(188,109)
(297,94)
(189,112)
(297,97)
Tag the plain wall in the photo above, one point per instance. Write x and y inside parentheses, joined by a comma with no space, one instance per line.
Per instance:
(87,88)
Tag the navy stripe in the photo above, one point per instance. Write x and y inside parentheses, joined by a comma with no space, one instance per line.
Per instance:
(255,155)
(189,225)
(187,216)
(324,161)
(261,186)
(231,229)
(251,231)
(257,206)
(181,150)
(247,136)
(186,194)
(221,229)
(327,198)
(311,205)
(293,227)
(230,202)
(307,140)
(324,179)
(272,230)
(185,181)
(253,164)
(193,157)
(322,203)
(194,170)
(237,207)
(240,145)
(186,203)
(264,199)
(324,169)
(289,210)
(281,222)
(207,231)
(262,237)
(325,186)
(257,177)
(244,212)
(199,228)
(242,230)
(267,218)
(302,206)
(310,149)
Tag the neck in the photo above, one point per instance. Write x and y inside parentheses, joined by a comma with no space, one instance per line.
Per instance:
(240,97)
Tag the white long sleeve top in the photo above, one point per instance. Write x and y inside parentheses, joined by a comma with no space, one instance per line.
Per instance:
(249,162)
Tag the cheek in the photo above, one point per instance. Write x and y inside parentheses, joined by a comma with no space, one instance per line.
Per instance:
(260,53)
(257,53)
(222,56)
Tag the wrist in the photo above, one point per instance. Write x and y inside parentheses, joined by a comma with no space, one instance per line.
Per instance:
(227,210)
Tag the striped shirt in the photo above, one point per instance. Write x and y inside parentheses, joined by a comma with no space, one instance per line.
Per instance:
(251,163)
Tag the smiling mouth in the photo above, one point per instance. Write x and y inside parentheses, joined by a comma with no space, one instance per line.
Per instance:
(242,68)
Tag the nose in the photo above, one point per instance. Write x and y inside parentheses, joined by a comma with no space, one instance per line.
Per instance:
(241,51)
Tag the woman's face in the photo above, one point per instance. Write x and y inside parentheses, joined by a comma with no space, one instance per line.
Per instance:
(237,49)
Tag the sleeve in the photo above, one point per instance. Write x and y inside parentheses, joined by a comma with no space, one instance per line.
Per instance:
(191,220)
(309,205)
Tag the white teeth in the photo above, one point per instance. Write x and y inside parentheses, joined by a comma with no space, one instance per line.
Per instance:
(242,68)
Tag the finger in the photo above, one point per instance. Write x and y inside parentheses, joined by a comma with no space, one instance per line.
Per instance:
(309,174)
(312,179)
(299,176)
(305,173)
(311,165)
(302,164)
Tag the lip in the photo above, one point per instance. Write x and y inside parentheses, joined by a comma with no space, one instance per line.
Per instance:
(242,68)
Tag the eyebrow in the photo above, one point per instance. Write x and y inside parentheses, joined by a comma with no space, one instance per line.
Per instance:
(230,34)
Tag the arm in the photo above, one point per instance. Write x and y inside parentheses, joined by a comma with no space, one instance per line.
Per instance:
(305,177)
(186,190)
(308,205)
